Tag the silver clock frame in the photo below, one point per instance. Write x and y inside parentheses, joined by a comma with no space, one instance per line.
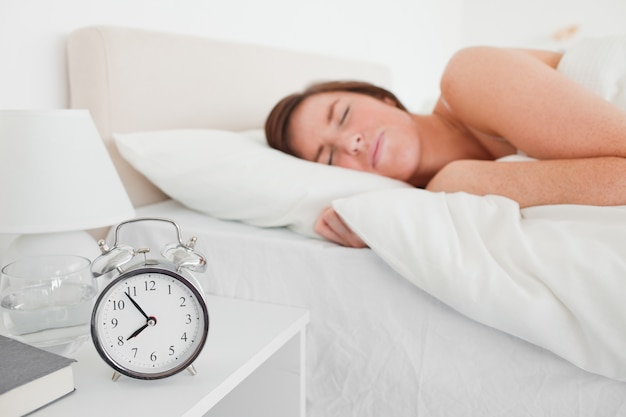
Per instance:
(197,349)
(178,258)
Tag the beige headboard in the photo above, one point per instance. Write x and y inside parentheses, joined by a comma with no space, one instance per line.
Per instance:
(136,80)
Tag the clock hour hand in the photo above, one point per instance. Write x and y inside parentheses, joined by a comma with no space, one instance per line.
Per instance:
(137,306)
(152,321)
(136,332)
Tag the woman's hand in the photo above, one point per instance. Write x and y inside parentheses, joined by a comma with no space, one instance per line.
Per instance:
(330,226)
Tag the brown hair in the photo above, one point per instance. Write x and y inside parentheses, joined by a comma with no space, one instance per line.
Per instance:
(277,123)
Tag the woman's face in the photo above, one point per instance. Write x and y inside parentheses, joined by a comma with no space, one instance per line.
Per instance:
(356,131)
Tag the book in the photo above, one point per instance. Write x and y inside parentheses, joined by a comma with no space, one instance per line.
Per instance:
(31,378)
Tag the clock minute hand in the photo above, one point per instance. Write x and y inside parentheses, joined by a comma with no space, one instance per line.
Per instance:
(136,332)
(137,306)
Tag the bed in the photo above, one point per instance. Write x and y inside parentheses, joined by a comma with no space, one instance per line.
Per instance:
(181,115)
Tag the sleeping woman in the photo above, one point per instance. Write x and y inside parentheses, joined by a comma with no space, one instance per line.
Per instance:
(494,102)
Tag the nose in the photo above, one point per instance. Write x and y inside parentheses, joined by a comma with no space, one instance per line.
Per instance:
(354,144)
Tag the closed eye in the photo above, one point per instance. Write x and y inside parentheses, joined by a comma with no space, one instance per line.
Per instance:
(344,115)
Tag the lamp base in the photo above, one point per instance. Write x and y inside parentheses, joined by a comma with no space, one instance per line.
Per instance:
(61,243)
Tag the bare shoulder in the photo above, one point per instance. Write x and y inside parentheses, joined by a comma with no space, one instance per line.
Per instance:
(499,91)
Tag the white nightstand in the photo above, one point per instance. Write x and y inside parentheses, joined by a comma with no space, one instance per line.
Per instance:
(252,365)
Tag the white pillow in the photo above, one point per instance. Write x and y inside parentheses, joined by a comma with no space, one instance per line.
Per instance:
(549,274)
(237,176)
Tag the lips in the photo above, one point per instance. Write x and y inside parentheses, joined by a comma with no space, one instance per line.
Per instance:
(375,150)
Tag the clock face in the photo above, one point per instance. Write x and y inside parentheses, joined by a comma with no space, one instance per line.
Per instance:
(149,323)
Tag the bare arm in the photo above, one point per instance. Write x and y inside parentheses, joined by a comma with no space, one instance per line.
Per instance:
(589,181)
(518,95)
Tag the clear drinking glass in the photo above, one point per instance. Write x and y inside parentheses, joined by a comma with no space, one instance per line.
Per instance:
(46,301)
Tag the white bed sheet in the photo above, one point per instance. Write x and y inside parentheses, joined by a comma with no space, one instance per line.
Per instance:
(377,345)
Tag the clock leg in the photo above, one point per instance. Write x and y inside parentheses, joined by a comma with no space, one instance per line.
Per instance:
(116,376)
(192,369)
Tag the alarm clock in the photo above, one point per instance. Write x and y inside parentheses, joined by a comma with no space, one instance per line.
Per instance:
(151,320)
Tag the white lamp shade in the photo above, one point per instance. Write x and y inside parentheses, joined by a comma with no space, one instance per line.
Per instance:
(56,175)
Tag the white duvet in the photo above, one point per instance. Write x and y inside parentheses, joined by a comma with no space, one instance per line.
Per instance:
(552,275)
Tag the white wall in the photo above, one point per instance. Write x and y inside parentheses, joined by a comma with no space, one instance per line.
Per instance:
(532,23)
(398,34)
(414,38)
